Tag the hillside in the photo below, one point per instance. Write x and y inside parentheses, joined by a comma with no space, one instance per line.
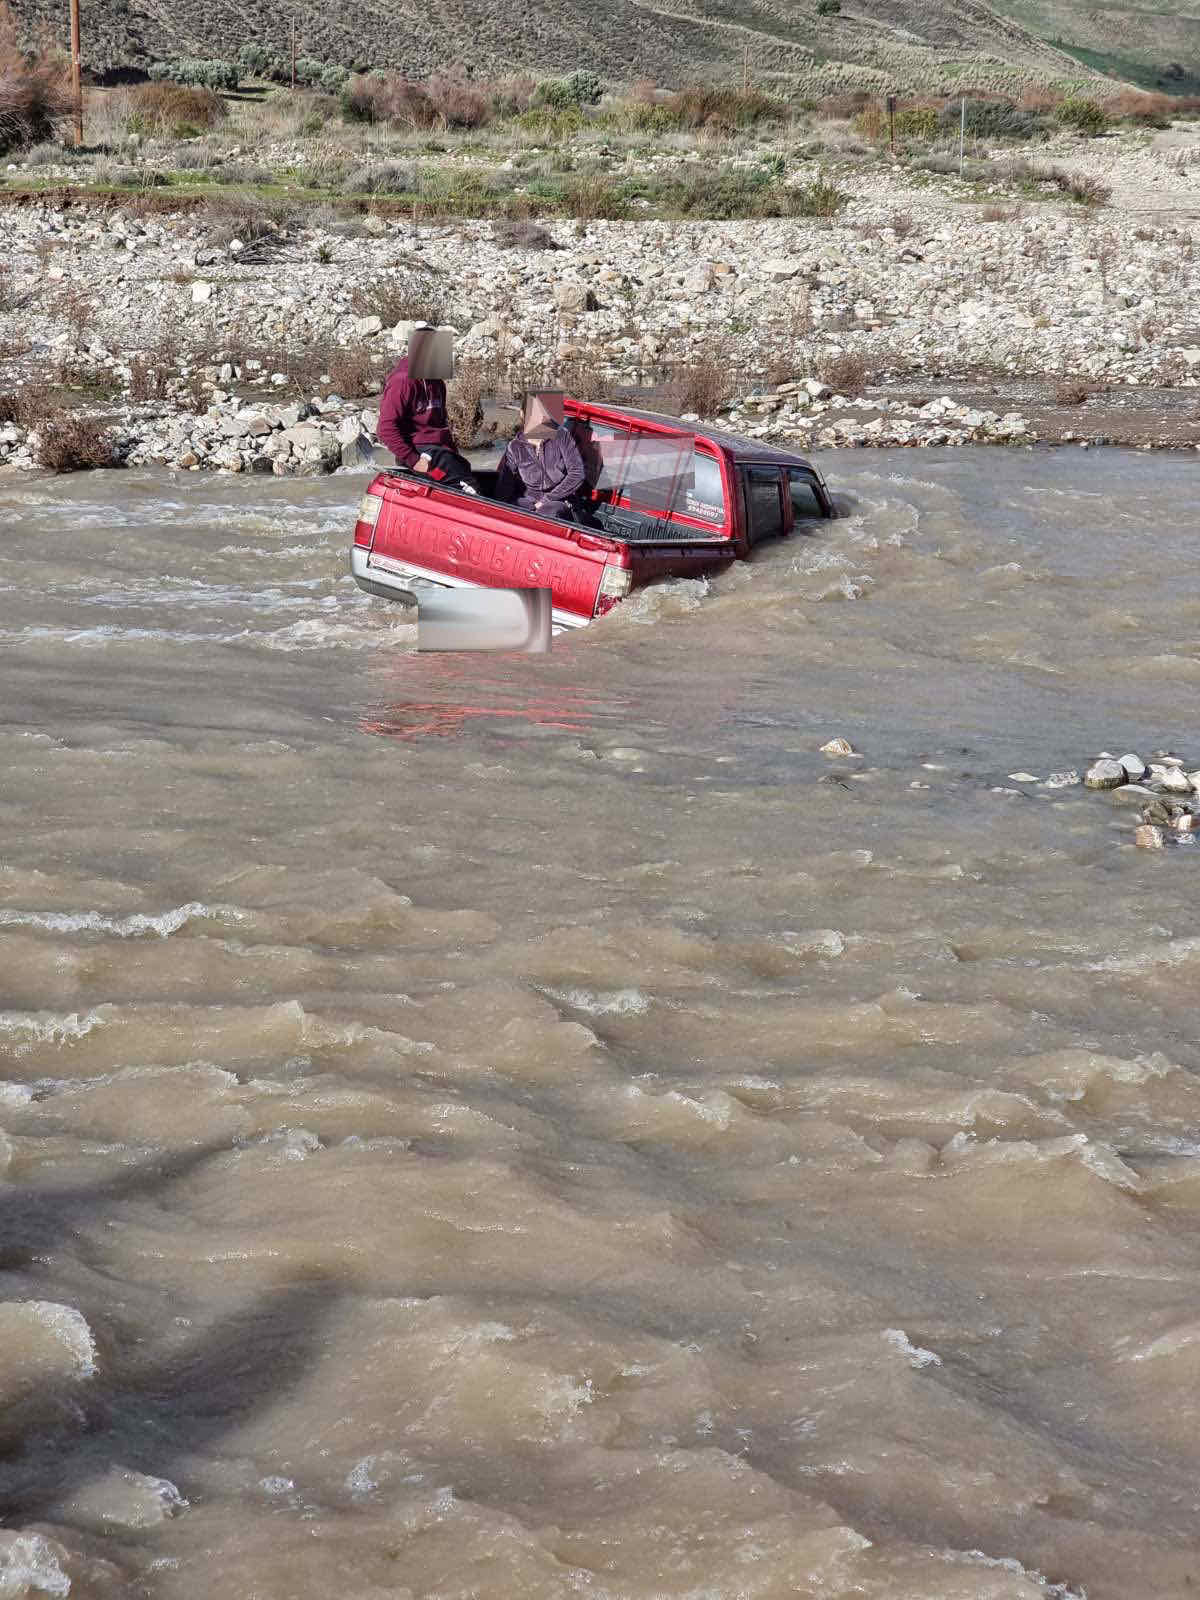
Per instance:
(906,44)
(1157,47)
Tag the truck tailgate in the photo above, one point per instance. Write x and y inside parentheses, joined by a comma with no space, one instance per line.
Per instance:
(449,537)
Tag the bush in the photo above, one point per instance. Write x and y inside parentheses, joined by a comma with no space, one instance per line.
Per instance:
(1071,392)
(351,371)
(35,90)
(1085,116)
(704,105)
(845,372)
(383,178)
(705,385)
(567,94)
(994,119)
(523,236)
(167,108)
(828,8)
(388,97)
(197,73)
(393,300)
(459,102)
(817,199)
(68,442)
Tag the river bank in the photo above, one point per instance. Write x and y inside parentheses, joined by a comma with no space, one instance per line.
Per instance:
(927,309)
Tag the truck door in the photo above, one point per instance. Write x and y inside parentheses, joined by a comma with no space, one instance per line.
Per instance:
(762,493)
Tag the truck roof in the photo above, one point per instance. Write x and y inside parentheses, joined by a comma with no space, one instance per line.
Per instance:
(740,449)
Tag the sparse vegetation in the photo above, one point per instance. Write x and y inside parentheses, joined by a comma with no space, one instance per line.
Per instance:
(166,109)
(845,371)
(1071,392)
(523,236)
(68,442)
(706,384)
(1083,115)
(394,299)
(199,74)
(35,91)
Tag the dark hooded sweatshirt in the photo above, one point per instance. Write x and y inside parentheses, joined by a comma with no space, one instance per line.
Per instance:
(412,416)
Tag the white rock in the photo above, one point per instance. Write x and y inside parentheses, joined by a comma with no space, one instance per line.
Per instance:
(1175,782)
(779,271)
(202,292)
(1148,837)
(838,747)
(1104,775)
(1135,767)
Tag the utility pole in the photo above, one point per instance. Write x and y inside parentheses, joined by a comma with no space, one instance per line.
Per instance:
(76,75)
(293,52)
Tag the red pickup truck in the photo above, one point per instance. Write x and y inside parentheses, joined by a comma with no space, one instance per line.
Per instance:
(660,501)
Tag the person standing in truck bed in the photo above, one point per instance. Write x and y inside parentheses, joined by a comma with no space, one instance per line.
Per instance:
(413,421)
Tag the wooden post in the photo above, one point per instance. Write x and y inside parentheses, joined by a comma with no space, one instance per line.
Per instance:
(76,74)
(891,111)
(745,69)
(293,52)
(962,136)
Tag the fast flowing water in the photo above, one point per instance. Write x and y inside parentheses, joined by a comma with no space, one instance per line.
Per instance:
(488,1126)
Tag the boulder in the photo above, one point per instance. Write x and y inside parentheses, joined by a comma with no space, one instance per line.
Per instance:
(202,292)
(573,297)
(779,271)
(1105,775)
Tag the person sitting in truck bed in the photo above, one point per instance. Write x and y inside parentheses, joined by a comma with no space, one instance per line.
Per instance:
(413,423)
(542,469)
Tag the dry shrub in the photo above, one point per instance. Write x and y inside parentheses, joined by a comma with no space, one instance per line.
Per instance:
(523,236)
(261,222)
(705,385)
(27,405)
(709,105)
(459,102)
(35,89)
(1147,110)
(395,300)
(842,107)
(902,224)
(473,381)
(390,98)
(845,371)
(1071,392)
(171,108)
(68,442)
(152,370)
(351,371)
(1000,214)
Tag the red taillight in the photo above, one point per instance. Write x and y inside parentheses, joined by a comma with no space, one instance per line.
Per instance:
(615,584)
(368,515)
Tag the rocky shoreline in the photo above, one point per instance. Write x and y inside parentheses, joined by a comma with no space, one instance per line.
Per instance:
(959,325)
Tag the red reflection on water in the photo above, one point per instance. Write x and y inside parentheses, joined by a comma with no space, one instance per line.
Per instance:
(441,697)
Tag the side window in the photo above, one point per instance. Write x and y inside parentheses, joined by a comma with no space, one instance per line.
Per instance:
(764,502)
(706,498)
(805,504)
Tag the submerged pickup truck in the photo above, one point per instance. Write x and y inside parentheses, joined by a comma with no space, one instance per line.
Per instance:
(659,501)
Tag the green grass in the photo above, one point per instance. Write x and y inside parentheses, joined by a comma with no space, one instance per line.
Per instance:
(715,196)
(1140,73)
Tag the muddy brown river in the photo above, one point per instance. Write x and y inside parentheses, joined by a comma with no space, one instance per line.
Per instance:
(515,1126)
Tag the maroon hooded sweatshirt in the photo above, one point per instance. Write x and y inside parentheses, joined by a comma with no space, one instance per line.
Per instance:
(412,416)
